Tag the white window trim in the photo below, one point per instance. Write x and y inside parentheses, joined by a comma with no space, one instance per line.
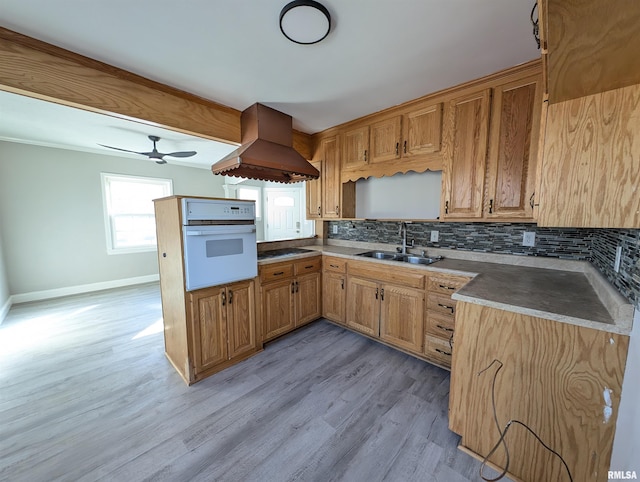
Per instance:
(104,178)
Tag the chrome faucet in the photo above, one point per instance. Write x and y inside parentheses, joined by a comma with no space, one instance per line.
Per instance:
(403,232)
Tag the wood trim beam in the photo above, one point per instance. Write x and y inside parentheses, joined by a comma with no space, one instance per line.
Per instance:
(37,69)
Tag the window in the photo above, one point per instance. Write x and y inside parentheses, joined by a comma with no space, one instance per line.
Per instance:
(251,193)
(128,211)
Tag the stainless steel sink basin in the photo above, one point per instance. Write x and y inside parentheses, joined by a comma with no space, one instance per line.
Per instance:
(404,258)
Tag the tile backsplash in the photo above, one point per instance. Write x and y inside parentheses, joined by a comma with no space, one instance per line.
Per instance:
(595,245)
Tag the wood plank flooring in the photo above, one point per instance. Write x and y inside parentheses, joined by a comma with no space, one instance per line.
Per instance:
(86,394)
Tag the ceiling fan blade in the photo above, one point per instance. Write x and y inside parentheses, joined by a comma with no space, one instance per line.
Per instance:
(126,150)
(182,154)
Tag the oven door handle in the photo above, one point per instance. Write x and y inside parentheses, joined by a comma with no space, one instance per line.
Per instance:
(221,230)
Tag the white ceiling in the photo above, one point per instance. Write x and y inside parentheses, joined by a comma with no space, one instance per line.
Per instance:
(379,53)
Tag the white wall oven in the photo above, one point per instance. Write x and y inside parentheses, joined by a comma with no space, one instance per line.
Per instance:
(219,237)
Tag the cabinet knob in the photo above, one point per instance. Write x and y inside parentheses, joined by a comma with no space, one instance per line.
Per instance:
(490,206)
(404,149)
(223,295)
(397,147)
(337,209)
(376,293)
(446,207)
(382,294)
(365,155)
(230,296)
(342,283)
(319,209)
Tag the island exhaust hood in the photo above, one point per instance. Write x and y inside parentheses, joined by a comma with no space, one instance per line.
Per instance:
(266,152)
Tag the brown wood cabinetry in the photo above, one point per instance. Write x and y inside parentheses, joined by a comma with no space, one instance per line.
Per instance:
(223,325)
(513,149)
(314,194)
(355,147)
(422,130)
(385,140)
(590,169)
(291,295)
(440,322)
(562,380)
(380,305)
(464,160)
(333,198)
(334,289)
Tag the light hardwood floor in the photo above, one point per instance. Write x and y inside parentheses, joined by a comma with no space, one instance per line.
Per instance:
(87,394)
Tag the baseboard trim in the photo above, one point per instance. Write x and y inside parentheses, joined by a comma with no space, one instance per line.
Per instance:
(79,289)
(5,309)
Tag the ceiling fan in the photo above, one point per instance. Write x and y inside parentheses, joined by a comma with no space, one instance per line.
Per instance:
(154,154)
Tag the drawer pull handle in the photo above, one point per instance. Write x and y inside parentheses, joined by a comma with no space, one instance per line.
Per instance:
(443,352)
(342,283)
(382,294)
(278,273)
(445,287)
(230,296)
(444,328)
(223,295)
(376,293)
(334,265)
(293,287)
(447,307)
(308,267)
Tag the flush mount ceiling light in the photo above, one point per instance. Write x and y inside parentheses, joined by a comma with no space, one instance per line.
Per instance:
(305,22)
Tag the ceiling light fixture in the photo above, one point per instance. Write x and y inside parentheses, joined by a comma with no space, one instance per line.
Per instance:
(305,22)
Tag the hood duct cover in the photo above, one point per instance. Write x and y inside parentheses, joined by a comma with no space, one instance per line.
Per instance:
(266,152)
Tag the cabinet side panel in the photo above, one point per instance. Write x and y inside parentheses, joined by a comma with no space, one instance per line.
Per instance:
(169,234)
(562,380)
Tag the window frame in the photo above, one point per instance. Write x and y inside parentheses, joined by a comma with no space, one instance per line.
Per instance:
(105,179)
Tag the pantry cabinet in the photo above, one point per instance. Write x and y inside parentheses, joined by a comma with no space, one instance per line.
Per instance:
(222,325)
(291,295)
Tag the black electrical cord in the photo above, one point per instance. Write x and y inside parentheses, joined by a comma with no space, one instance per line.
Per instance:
(503,433)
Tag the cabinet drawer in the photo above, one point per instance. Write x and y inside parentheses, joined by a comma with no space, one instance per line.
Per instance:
(441,304)
(307,265)
(275,272)
(446,284)
(438,350)
(337,265)
(439,325)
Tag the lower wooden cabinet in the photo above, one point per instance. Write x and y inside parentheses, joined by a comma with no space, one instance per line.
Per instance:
(393,313)
(291,295)
(223,327)
(334,289)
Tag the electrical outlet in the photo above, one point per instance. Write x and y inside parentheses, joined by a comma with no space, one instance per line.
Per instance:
(616,265)
(435,235)
(529,238)
(335,229)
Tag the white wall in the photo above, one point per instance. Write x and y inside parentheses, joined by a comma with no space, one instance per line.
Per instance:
(4,281)
(403,196)
(626,446)
(52,215)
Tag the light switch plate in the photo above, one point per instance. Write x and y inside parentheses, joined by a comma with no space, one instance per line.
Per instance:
(529,238)
(335,229)
(435,235)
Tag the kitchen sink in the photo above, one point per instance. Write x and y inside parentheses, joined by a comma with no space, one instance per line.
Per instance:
(403,258)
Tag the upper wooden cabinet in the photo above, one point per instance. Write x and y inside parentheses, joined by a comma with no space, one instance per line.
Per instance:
(314,194)
(385,139)
(513,149)
(464,159)
(355,147)
(422,130)
(329,196)
(590,169)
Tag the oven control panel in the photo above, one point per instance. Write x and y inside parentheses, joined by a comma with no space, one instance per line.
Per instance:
(194,210)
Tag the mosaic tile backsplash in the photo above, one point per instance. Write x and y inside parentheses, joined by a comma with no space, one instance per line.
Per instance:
(595,245)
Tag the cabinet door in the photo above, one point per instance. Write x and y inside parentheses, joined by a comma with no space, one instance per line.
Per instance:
(363,306)
(241,318)
(402,317)
(277,308)
(385,140)
(513,149)
(422,131)
(465,156)
(209,328)
(356,146)
(308,298)
(331,178)
(314,194)
(334,296)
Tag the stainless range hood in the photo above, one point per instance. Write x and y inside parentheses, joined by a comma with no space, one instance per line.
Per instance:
(266,152)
